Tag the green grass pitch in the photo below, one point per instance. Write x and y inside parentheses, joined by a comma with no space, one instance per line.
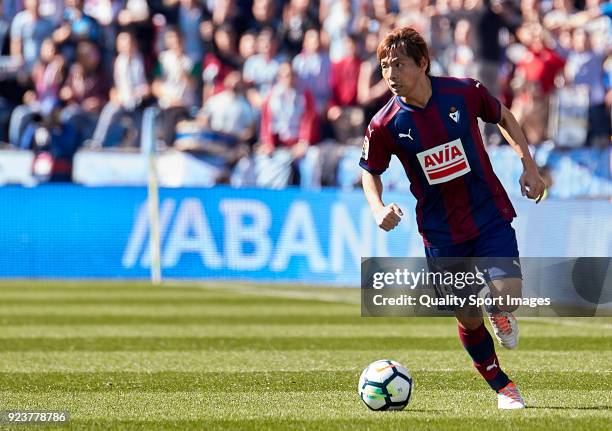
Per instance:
(255,357)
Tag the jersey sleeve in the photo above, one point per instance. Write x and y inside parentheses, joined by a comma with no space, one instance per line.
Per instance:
(376,151)
(488,108)
(16,30)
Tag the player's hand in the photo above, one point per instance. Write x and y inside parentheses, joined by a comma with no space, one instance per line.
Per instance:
(532,184)
(265,149)
(299,149)
(388,217)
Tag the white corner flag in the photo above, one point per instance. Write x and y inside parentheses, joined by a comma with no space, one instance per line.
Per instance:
(149,151)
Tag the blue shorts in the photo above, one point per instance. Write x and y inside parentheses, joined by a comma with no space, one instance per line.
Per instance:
(494,252)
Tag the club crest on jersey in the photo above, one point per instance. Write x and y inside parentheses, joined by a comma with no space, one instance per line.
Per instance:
(444,162)
(454,114)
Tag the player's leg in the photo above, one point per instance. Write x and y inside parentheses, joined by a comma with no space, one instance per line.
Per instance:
(504,281)
(473,334)
(479,344)
(503,322)
(498,258)
(511,287)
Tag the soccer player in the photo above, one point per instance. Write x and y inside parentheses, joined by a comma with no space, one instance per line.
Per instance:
(430,124)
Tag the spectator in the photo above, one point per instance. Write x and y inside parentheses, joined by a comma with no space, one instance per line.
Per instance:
(54,143)
(105,12)
(223,129)
(288,128)
(47,76)
(534,81)
(488,20)
(288,115)
(247,47)
(76,26)
(5,115)
(134,18)
(530,10)
(557,26)
(312,69)
(561,10)
(85,91)
(4,28)
(585,67)
(434,27)
(264,15)
(189,18)
(223,59)
(412,14)
(229,112)
(598,17)
(10,8)
(166,8)
(336,25)
(344,113)
(372,90)
(52,9)
(298,16)
(230,12)
(128,93)
(459,56)
(175,85)
(6,104)
(133,12)
(440,33)
(261,69)
(379,14)
(608,82)
(28,31)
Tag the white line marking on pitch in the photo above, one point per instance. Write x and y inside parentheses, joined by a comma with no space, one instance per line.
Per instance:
(568,322)
(280,292)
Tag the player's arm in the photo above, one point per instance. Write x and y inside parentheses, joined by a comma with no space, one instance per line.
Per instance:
(532,184)
(387,217)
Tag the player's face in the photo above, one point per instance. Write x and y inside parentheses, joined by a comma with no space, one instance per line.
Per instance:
(401,73)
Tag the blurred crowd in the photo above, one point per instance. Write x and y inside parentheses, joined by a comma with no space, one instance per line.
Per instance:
(277,92)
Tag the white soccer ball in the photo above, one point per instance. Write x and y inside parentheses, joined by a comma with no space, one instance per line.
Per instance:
(385,385)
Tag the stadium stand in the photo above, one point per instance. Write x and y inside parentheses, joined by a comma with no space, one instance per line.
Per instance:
(76,77)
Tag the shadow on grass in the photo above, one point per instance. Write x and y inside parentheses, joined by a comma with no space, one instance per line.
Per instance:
(408,410)
(569,408)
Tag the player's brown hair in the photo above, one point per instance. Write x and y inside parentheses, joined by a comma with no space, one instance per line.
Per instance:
(406,40)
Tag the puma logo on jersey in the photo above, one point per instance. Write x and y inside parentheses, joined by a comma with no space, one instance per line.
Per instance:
(444,162)
(493,365)
(406,135)
(477,84)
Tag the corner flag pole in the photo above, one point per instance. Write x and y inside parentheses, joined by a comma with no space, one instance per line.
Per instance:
(148,146)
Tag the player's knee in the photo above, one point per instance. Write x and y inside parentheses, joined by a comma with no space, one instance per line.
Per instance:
(505,289)
(469,317)
(470,323)
(510,308)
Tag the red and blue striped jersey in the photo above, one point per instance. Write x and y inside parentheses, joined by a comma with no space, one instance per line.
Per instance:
(458,194)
